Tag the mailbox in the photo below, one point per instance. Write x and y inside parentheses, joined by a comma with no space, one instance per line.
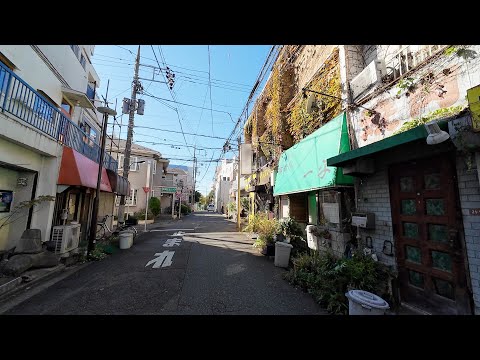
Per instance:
(364,220)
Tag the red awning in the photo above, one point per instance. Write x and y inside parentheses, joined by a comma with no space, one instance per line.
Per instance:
(77,169)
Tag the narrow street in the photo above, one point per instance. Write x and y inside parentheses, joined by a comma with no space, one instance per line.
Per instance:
(214,270)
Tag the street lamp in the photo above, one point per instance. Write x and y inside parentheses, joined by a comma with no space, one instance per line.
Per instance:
(93,227)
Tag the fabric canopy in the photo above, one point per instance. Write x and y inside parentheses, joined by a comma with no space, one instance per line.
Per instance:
(303,167)
(76,169)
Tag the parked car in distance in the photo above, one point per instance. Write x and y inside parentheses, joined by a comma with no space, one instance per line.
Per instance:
(211,207)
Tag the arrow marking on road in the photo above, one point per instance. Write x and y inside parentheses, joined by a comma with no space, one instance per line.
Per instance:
(164,259)
(172,242)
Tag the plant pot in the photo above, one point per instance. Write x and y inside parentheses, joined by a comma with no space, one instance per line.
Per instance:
(269,250)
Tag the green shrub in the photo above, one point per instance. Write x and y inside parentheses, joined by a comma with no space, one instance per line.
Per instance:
(154,206)
(328,278)
(140,215)
(186,209)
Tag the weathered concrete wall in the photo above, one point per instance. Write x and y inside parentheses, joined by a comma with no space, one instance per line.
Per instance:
(394,105)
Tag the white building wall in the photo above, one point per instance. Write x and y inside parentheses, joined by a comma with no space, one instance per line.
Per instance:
(47,168)
(33,70)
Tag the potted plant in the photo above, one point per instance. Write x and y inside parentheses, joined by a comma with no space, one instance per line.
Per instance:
(290,228)
(267,231)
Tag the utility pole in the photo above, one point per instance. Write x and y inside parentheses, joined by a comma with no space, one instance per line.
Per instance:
(136,86)
(93,226)
(238,187)
(194,174)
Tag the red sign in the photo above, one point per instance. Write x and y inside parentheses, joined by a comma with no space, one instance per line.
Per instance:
(146,189)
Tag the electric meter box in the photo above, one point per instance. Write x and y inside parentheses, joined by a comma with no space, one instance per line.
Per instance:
(365,220)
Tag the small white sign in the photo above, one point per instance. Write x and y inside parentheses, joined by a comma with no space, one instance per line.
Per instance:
(164,259)
(172,242)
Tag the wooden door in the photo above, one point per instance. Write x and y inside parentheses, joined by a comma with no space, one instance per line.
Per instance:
(427,225)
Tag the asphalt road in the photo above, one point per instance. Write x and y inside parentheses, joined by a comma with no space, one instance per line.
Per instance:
(210,270)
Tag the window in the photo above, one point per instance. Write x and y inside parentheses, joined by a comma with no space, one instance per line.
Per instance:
(82,61)
(153,193)
(224,178)
(67,108)
(228,178)
(76,50)
(132,199)
(133,160)
(154,171)
(90,132)
(91,91)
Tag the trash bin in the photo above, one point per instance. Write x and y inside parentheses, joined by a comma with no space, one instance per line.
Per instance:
(362,302)
(125,239)
(282,254)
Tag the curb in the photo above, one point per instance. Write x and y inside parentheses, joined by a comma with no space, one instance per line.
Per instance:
(25,290)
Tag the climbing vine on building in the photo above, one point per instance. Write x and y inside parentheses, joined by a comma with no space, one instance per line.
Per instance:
(327,81)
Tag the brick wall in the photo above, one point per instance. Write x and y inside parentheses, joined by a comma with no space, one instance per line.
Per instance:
(469,191)
(373,196)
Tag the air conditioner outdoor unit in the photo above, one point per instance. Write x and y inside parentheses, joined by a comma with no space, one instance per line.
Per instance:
(370,76)
(66,237)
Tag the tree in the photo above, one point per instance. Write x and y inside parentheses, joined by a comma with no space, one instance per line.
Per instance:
(198,196)
(154,206)
(210,197)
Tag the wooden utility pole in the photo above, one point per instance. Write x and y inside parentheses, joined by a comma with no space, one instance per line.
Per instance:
(238,187)
(136,86)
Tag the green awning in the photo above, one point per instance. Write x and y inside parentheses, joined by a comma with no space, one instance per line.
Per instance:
(303,167)
(416,133)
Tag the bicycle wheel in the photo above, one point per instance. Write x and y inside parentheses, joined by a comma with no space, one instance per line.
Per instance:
(100,232)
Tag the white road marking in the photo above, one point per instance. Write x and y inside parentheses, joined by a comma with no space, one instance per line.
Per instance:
(172,230)
(172,242)
(164,259)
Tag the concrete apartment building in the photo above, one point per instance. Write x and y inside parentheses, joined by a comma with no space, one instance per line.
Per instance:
(146,170)
(224,175)
(50,131)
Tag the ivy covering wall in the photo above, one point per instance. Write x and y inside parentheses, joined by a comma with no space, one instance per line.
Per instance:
(279,120)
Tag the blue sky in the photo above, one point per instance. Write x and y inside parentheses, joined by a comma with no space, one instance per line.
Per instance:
(233,71)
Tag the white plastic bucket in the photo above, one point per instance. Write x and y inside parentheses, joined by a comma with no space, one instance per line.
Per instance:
(282,254)
(125,239)
(362,302)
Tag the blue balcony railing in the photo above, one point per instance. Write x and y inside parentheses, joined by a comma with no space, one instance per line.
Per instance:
(21,100)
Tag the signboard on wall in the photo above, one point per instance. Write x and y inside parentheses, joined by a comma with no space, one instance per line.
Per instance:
(6,198)
(473,96)
(246,159)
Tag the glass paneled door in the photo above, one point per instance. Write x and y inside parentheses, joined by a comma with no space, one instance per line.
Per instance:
(427,228)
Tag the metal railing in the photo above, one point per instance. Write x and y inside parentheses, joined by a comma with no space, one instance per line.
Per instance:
(21,100)
(408,58)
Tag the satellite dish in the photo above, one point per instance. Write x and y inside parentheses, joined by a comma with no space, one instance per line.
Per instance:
(309,106)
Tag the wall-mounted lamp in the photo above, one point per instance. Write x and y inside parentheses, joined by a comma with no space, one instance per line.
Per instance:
(387,248)
(435,134)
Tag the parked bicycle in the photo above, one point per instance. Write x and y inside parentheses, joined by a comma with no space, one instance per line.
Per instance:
(103,229)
